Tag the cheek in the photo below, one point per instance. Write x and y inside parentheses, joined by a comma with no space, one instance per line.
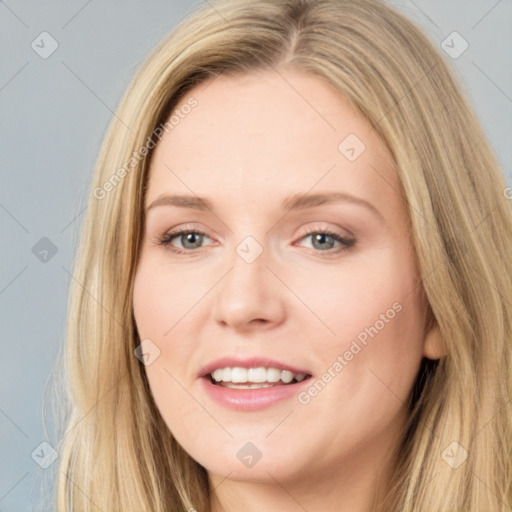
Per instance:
(378,293)
(163,297)
(368,372)
(160,303)
(376,315)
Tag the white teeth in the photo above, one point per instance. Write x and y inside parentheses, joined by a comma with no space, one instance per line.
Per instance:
(258,375)
(273,375)
(286,376)
(239,375)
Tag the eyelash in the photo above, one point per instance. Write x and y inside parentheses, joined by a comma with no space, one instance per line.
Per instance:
(166,239)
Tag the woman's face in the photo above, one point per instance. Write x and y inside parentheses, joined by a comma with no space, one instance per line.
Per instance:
(281,283)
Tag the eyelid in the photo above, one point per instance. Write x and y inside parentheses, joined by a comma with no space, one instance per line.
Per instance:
(344,242)
(315,229)
(323,228)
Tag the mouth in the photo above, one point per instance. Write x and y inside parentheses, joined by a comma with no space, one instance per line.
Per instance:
(252,384)
(260,377)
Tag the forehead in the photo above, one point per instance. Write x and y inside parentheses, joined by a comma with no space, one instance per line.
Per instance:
(270,134)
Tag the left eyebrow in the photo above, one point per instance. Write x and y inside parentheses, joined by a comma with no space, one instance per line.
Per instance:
(304,201)
(295,202)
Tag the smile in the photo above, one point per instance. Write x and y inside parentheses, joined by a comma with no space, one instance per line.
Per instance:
(254,378)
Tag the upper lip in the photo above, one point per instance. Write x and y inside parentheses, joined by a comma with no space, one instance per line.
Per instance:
(253,362)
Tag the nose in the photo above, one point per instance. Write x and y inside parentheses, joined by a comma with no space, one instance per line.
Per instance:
(250,296)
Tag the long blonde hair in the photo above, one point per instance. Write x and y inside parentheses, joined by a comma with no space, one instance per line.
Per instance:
(116,452)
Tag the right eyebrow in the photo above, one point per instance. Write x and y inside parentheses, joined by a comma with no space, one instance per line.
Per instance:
(181,201)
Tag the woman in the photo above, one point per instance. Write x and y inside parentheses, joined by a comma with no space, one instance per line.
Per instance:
(293,289)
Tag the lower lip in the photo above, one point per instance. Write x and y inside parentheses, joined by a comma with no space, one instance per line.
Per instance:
(252,399)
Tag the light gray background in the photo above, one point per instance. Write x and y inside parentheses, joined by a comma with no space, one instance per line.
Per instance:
(55,112)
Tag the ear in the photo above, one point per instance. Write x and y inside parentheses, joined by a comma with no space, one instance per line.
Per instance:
(434,346)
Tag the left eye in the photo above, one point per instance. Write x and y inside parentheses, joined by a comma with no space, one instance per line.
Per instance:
(323,240)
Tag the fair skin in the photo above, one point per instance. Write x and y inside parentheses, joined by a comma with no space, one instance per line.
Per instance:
(251,142)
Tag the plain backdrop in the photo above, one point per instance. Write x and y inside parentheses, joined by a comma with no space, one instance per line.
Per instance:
(55,108)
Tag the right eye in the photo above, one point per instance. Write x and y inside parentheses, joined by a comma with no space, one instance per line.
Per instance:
(187,237)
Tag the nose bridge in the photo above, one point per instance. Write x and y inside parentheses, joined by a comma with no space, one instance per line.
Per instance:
(248,291)
(249,267)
